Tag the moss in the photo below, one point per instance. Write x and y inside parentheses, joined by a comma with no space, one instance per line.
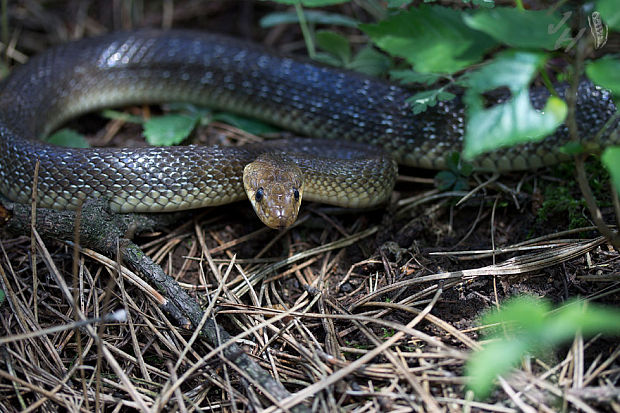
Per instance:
(565,200)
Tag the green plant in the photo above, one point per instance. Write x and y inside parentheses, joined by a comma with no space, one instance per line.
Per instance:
(441,48)
(528,325)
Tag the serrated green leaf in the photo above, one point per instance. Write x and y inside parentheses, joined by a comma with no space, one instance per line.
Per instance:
(604,72)
(411,76)
(610,12)
(370,61)
(422,100)
(68,138)
(335,44)
(312,17)
(171,129)
(514,121)
(445,96)
(506,25)
(432,39)
(611,160)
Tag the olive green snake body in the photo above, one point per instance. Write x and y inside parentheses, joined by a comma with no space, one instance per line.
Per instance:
(152,66)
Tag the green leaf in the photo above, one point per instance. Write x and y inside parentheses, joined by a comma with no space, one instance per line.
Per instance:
(422,100)
(411,76)
(493,360)
(514,121)
(370,61)
(68,138)
(522,311)
(432,39)
(610,12)
(2,296)
(611,160)
(482,3)
(328,59)
(4,70)
(170,129)
(583,317)
(312,17)
(532,327)
(572,148)
(604,72)
(455,177)
(311,3)
(335,44)
(395,4)
(252,126)
(506,25)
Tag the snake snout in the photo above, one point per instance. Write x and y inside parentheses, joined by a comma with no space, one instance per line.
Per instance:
(274,186)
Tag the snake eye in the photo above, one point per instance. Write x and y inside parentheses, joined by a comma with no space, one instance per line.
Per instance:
(259,194)
(296,194)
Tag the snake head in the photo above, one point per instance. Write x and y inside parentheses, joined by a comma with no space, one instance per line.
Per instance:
(274,186)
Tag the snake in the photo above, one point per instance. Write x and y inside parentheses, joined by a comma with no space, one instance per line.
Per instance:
(342,112)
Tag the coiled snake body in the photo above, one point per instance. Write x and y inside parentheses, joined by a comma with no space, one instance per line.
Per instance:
(155,67)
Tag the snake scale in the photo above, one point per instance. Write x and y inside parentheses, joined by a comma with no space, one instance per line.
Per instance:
(151,66)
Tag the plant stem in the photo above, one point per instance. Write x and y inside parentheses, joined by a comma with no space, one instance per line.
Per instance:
(597,217)
(573,130)
(305,30)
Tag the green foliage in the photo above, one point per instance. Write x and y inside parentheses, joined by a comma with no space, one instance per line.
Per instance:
(610,12)
(367,60)
(611,160)
(504,23)
(558,200)
(2,296)
(604,72)
(422,100)
(527,325)
(481,3)
(68,138)
(311,3)
(394,4)
(411,76)
(335,44)
(514,121)
(170,129)
(432,39)
(388,332)
(455,177)
(312,17)
(370,61)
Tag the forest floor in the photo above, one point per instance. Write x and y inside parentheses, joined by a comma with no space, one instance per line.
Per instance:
(417,274)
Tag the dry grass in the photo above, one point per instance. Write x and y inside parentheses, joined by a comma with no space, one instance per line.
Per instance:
(371,311)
